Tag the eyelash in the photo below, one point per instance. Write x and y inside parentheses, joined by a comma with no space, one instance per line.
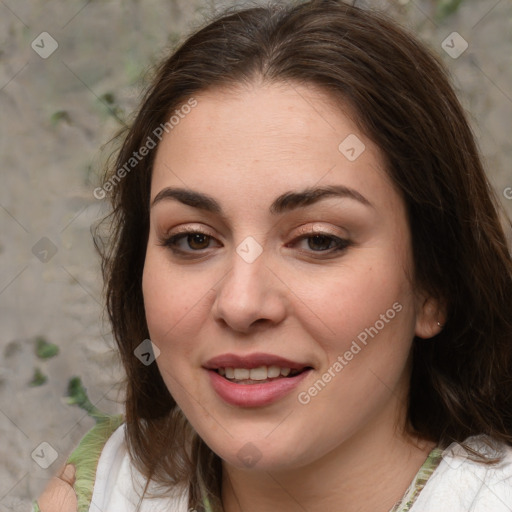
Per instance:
(172,241)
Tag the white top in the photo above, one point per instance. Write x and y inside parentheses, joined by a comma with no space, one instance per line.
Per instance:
(462,485)
(457,485)
(119,485)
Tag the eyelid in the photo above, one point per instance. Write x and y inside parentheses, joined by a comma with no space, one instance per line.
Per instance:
(305,229)
(189,228)
(315,229)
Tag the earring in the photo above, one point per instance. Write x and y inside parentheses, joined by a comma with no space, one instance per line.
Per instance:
(440,325)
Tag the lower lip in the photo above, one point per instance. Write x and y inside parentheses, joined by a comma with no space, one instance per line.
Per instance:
(254,395)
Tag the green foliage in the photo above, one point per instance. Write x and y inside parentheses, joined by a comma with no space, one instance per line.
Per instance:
(38,379)
(60,116)
(445,8)
(108,98)
(45,350)
(77,395)
(110,106)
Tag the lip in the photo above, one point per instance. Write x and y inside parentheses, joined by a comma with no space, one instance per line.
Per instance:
(252,361)
(254,395)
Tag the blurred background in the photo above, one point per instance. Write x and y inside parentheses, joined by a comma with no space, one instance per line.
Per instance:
(71,74)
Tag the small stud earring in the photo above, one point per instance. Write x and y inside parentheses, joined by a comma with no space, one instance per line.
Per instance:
(440,325)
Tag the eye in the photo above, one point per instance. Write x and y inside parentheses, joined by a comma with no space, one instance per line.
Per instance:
(320,242)
(323,243)
(189,242)
(197,241)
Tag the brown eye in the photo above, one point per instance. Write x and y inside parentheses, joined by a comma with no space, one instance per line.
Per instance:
(320,245)
(320,242)
(190,243)
(198,241)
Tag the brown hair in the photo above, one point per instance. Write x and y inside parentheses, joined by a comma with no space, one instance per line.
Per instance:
(461,378)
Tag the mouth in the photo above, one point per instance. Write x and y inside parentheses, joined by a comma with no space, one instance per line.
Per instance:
(258,375)
(255,380)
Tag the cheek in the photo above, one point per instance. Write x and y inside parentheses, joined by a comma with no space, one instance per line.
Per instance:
(369,312)
(353,298)
(167,302)
(167,296)
(175,303)
(370,318)
(160,299)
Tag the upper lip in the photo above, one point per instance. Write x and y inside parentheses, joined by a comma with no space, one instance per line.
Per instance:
(252,361)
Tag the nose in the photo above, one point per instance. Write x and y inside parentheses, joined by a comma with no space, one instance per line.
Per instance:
(250,296)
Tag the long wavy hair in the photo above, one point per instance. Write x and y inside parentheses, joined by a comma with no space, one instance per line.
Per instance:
(461,379)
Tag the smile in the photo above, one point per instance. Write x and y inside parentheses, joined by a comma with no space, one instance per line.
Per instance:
(256,375)
(255,380)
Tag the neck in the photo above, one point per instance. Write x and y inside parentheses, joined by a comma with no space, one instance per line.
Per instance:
(369,472)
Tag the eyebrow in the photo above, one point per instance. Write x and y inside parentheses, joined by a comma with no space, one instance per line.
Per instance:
(285,202)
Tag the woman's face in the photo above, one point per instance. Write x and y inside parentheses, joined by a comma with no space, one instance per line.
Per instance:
(277,278)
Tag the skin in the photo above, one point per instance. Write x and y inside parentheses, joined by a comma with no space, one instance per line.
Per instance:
(59,494)
(244,148)
(346,449)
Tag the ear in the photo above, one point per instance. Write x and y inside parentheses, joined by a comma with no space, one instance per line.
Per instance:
(430,316)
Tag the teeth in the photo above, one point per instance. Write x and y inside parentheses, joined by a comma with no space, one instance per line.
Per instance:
(241,373)
(259,373)
(273,372)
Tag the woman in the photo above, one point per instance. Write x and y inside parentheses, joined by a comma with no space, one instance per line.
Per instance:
(303,229)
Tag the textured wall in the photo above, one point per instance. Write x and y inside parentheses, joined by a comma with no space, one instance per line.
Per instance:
(57,109)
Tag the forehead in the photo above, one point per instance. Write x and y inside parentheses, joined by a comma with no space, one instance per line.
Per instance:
(265,139)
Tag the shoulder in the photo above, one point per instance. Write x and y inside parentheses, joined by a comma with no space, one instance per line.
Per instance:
(461,483)
(121,487)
